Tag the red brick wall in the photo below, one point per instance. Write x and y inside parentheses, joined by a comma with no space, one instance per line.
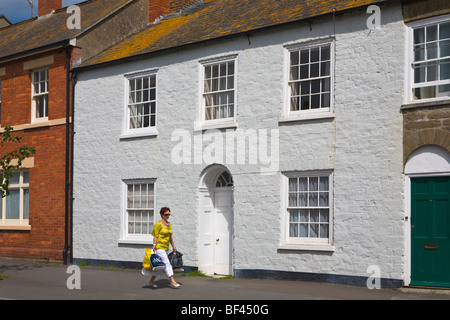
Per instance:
(47,177)
(158,8)
(46,6)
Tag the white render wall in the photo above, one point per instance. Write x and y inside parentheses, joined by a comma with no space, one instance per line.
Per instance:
(362,146)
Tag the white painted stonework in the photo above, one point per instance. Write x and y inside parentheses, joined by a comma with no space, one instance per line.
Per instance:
(359,143)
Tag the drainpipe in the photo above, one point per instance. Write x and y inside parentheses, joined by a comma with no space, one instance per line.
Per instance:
(74,82)
(67,179)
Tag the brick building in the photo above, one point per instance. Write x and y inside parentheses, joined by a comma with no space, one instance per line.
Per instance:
(36,57)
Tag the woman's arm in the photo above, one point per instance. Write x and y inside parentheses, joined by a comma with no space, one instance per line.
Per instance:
(155,240)
(173,245)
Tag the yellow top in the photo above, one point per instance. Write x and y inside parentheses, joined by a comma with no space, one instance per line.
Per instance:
(163,234)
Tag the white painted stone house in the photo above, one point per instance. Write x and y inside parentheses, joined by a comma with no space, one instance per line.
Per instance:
(277,146)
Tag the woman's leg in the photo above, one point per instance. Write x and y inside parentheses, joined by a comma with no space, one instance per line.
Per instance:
(169,271)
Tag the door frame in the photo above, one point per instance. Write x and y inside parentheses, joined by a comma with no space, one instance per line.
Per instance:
(416,170)
(207,188)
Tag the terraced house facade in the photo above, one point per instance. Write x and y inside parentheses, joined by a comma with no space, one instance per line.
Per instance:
(291,139)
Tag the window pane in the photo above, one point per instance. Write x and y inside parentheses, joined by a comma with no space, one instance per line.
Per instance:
(314,54)
(25,203)
(15,178)
(304,215)
(323,184)
(303,230)
(432,72)
(444,48)
(324,215)
(292,184)
(444,31)
(303,184)
(325,54)
(313,199)
(314,216)
(419,35)
(293,199)
(323,231)
(432,33)
(293,75)
(13,205)
(302,199)
(419,52)
(304,56)
(432,50)
(323,199)
(294,58)
(25,176)
(314,70)
(314,231)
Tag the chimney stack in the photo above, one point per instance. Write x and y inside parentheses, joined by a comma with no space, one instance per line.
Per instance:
(157,8)
(46,6)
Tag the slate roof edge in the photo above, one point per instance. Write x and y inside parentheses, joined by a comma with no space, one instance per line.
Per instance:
(66,40)
(237,34)
(109,15)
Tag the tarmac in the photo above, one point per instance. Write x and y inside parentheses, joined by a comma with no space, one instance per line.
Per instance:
(31,280)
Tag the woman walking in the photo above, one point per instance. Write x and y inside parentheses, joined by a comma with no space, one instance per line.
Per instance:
(162,237)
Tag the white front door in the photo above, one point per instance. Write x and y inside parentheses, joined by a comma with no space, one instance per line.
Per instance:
(216,227)
(223,232)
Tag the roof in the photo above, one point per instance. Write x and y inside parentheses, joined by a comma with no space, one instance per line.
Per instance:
(52,29)
(213,19)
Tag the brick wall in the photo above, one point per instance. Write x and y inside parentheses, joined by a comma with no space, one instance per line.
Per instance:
(158,8)
(47,176)
(426,125)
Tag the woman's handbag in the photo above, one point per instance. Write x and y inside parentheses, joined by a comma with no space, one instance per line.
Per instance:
(176,259)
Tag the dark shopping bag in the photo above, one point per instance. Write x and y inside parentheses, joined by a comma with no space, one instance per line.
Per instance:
(176,259)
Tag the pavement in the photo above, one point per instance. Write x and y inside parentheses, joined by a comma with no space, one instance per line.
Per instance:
(31,280)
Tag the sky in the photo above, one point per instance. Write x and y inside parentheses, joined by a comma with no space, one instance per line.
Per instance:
(20,10)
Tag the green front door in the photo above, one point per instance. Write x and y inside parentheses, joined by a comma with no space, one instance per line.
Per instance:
(430,231)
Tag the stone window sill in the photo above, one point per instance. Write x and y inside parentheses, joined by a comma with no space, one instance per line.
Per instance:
(14,227)
(307,247)
(428,104)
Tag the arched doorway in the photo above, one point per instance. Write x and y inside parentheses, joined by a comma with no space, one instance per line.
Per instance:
(428,206)
(216,221)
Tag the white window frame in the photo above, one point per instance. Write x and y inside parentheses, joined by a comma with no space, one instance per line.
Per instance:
(144,131)
(21,186)
(140,238)
(35,95)
(306,243)
(410,60)
(202,122)
(320,112)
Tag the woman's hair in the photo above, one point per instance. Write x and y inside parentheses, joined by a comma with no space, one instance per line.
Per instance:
(163,210)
